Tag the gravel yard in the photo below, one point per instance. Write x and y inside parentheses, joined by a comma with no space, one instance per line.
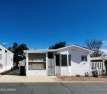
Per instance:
(73,78)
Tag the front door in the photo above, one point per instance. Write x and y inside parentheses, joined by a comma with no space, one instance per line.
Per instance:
(51,67)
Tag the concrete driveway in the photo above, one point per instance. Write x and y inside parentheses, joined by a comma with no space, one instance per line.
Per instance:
(14,76)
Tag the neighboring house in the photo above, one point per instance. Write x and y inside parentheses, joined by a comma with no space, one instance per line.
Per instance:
(6,59)
(99,63)
(70,60)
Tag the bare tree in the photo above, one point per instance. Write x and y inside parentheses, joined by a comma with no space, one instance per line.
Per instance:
(95,45)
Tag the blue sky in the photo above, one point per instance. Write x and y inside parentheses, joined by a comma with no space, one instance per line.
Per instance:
(41,23)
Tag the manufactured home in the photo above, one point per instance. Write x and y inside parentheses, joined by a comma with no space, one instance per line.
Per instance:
(70,60)
(6,59)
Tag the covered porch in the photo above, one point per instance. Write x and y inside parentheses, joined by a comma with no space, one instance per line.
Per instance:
(99,63)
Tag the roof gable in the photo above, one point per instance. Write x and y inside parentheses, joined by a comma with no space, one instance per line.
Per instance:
(5,49)
(83,48)
(54,50)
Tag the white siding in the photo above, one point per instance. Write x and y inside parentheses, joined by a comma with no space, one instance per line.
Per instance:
(7,59)
(69,70)
(64,71)
(79,67)
(36,73)
(65,51)
(58,70)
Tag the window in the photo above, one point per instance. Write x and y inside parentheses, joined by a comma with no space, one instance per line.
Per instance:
(37,57)
(83,58)
(69,57)
(50,55)
(0,56)
(63,60)
(57,60)
(37,66)
(0,49)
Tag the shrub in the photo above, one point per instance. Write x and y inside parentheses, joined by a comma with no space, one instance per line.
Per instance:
(77,75)
(95,73)
(86,74)
(103,73)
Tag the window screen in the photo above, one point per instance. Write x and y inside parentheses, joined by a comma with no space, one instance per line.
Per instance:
(69,57)
(37,65)
(64,60)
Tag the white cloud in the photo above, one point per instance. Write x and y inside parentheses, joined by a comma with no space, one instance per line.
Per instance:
(105,51)
(104,43)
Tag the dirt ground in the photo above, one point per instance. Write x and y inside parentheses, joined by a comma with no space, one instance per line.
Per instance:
(73,78)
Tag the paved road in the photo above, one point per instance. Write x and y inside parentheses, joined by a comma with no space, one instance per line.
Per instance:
(53,88)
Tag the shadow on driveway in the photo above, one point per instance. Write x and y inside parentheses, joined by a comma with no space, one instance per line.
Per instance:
(15,72)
